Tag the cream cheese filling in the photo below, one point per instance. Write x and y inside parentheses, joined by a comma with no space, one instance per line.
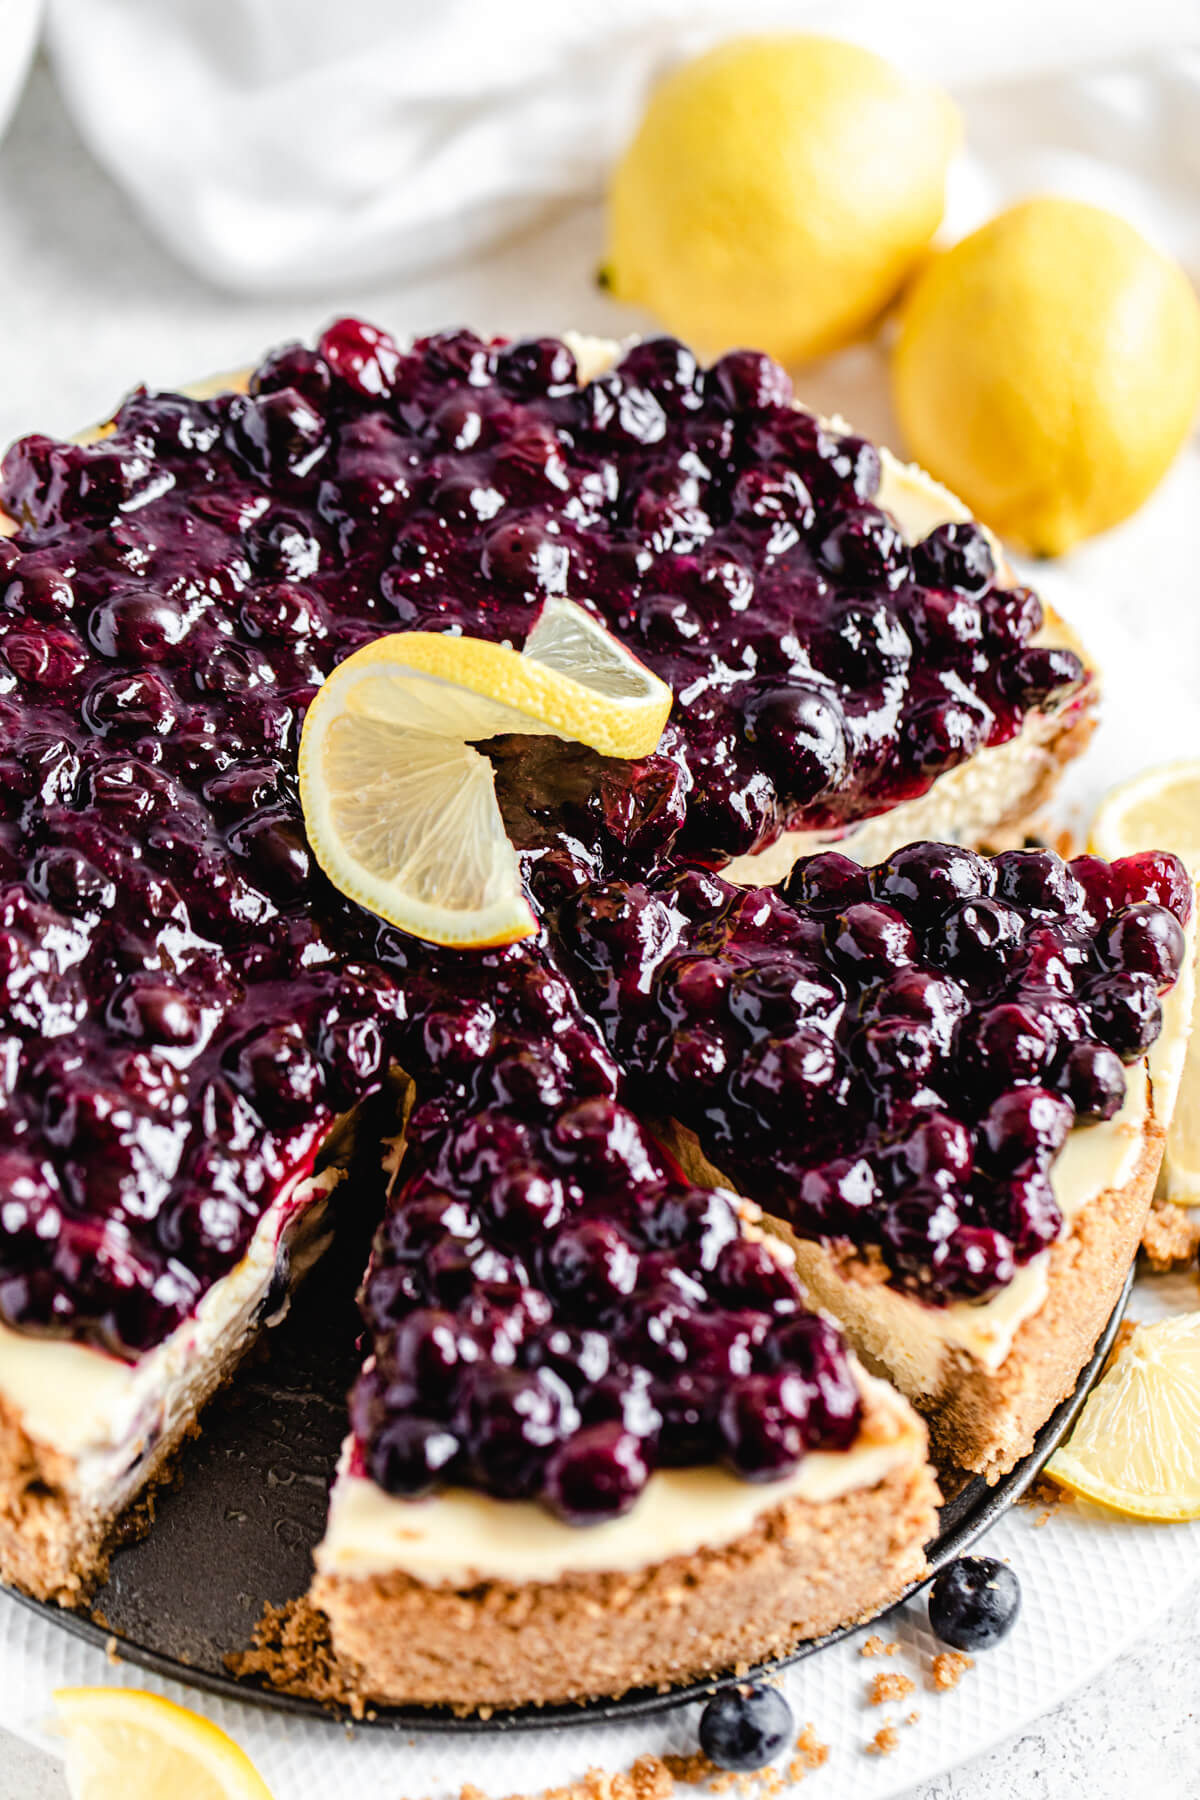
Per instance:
(102,1413)
(458,1537)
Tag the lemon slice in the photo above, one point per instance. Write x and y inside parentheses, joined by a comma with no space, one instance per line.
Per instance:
(1160,810)
(401,811)
(1136,1444)
(123,1744)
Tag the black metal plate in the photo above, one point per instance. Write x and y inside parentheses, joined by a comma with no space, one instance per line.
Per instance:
(238,1530)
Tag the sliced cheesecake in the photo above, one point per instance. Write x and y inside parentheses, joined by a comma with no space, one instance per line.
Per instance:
(187,1009)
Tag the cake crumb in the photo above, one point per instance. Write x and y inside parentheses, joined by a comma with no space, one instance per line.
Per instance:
(292,1651)
(1047,1495)
(889,1684)
(948,1669)
(884,1742)
(811,1754)
(1171,1235)
(873,1646)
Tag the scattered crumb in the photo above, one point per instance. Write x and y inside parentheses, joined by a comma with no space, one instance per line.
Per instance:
(912,1718)
(111,1651)
(889,1684)
(658,1777)
(292,1651)
(1171,1235)
(948,1669)
(884,1742)
(874,1646)
(1047,1495)
(811,1754)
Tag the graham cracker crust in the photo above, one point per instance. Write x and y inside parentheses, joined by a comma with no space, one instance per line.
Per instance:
(805,1568)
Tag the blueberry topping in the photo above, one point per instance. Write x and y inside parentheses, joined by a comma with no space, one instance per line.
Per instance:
(974,1602)
(891,1056)
(745,1727)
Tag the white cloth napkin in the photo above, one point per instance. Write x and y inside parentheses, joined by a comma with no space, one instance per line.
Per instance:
(305,146)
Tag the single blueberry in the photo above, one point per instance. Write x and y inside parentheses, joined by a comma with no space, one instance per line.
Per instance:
(974,1602)
(745,1727)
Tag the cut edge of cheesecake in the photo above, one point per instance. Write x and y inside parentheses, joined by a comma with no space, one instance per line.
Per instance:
(804,1567)
(69,1493)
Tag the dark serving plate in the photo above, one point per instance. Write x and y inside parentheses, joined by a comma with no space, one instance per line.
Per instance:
(238,1530)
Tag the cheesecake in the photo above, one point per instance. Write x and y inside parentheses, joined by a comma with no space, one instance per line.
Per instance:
(592,1376)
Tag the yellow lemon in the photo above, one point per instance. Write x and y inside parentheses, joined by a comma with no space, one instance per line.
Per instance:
(1048,369)
(401,809)
(778,192)
(123,1744)
(1160,810)
(1136,1444)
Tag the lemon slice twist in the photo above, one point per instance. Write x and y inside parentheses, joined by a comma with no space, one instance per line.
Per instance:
(1136,1445)
(125,1744)
(401,809)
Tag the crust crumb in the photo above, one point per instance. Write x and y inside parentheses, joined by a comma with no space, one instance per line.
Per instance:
(874,1646)
(1047,1495)
(948,1669)
(111,1651)
(811,1754)
(1171,1235)
(886,1740)
(912,1718)
(889,1684)
(292,1651)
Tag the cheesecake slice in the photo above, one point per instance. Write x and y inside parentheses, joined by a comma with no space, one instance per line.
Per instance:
(626,1455)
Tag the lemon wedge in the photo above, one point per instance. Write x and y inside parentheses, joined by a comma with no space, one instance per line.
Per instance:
(1136,1444)
(1160,810)
(123,1744)
(401,810)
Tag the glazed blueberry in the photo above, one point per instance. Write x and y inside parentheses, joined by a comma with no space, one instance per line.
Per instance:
(956,556)
(746,1727)
(975,937)
(929,877)
(1093,1080)
(597,1474)
(974,1602)
(1155,875)
(1146,939)
(828,882)
(1024,1128)
(872,939)
(1038,881)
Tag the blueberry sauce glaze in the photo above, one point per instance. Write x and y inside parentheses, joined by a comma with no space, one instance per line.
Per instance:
(893,1056)
(186,1004)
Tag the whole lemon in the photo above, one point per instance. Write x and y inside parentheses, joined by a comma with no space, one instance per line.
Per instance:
(1048,369)
(779,191)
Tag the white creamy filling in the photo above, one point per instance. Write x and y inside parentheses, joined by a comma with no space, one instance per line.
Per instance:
(104,1414)
(458,1537)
